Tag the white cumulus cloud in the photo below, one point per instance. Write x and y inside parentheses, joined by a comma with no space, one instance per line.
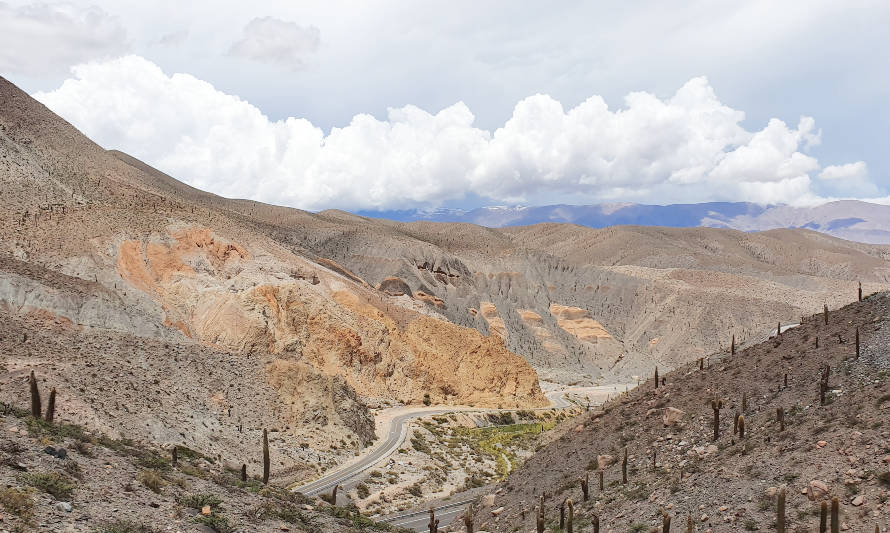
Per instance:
(688,147)
(39,38)
(272,40)
(857,170)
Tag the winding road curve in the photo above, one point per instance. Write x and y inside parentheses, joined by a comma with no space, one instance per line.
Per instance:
(398,429)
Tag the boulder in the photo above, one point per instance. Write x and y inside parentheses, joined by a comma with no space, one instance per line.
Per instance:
(818,490)
(672,415)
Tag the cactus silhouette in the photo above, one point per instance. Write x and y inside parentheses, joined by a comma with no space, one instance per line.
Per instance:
(266,460)
(624,467)
(835,518)
(434,522)
(716,405)
(35,396)
(468,518)
(51,406)
(823,518)
(571,516)
(741,426)
(780,512)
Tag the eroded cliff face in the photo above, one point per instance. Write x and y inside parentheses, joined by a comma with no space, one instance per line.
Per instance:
(219,293)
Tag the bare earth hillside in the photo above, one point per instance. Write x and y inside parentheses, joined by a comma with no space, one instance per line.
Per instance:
(171,315)
(676,466)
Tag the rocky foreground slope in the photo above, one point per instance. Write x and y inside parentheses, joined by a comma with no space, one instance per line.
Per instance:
(814,451)
(60,477)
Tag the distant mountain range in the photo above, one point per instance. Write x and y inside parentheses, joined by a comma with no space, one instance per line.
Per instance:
(848,219)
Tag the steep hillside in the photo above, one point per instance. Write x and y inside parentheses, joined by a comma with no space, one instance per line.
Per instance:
(665,296)
(60,477)
(676,466)
(330,311)
(212,316)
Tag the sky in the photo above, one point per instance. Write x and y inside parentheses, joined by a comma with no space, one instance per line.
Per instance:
(402,105)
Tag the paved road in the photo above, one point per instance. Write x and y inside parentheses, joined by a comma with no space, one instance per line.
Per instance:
(397,432)
(419,520)
(394,439)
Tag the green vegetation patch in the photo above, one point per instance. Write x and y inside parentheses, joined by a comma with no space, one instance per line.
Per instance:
(59,486)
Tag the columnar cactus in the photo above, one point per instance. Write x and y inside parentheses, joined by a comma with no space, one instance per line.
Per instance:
(624,467)
(860,291)
(656,377)
(653,460)
(601,478)
(735,423)
(571,516)
(585,485)
(835,518)
(243,473)
(817,342)
(539,521)
(716,405)
(823,518)
(36,406)
(665,523)
(779,329)
(266,460)
(857,342)
(825,313)
(434,522)
(174,455)
(596,523)
(780,512)
(468,517)
(51,406)
(562,515)
(732,346)
(780,417)
(741,426)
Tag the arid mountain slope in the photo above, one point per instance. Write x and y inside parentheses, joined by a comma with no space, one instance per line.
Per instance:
(661,296)
(142,275)
(839,449)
